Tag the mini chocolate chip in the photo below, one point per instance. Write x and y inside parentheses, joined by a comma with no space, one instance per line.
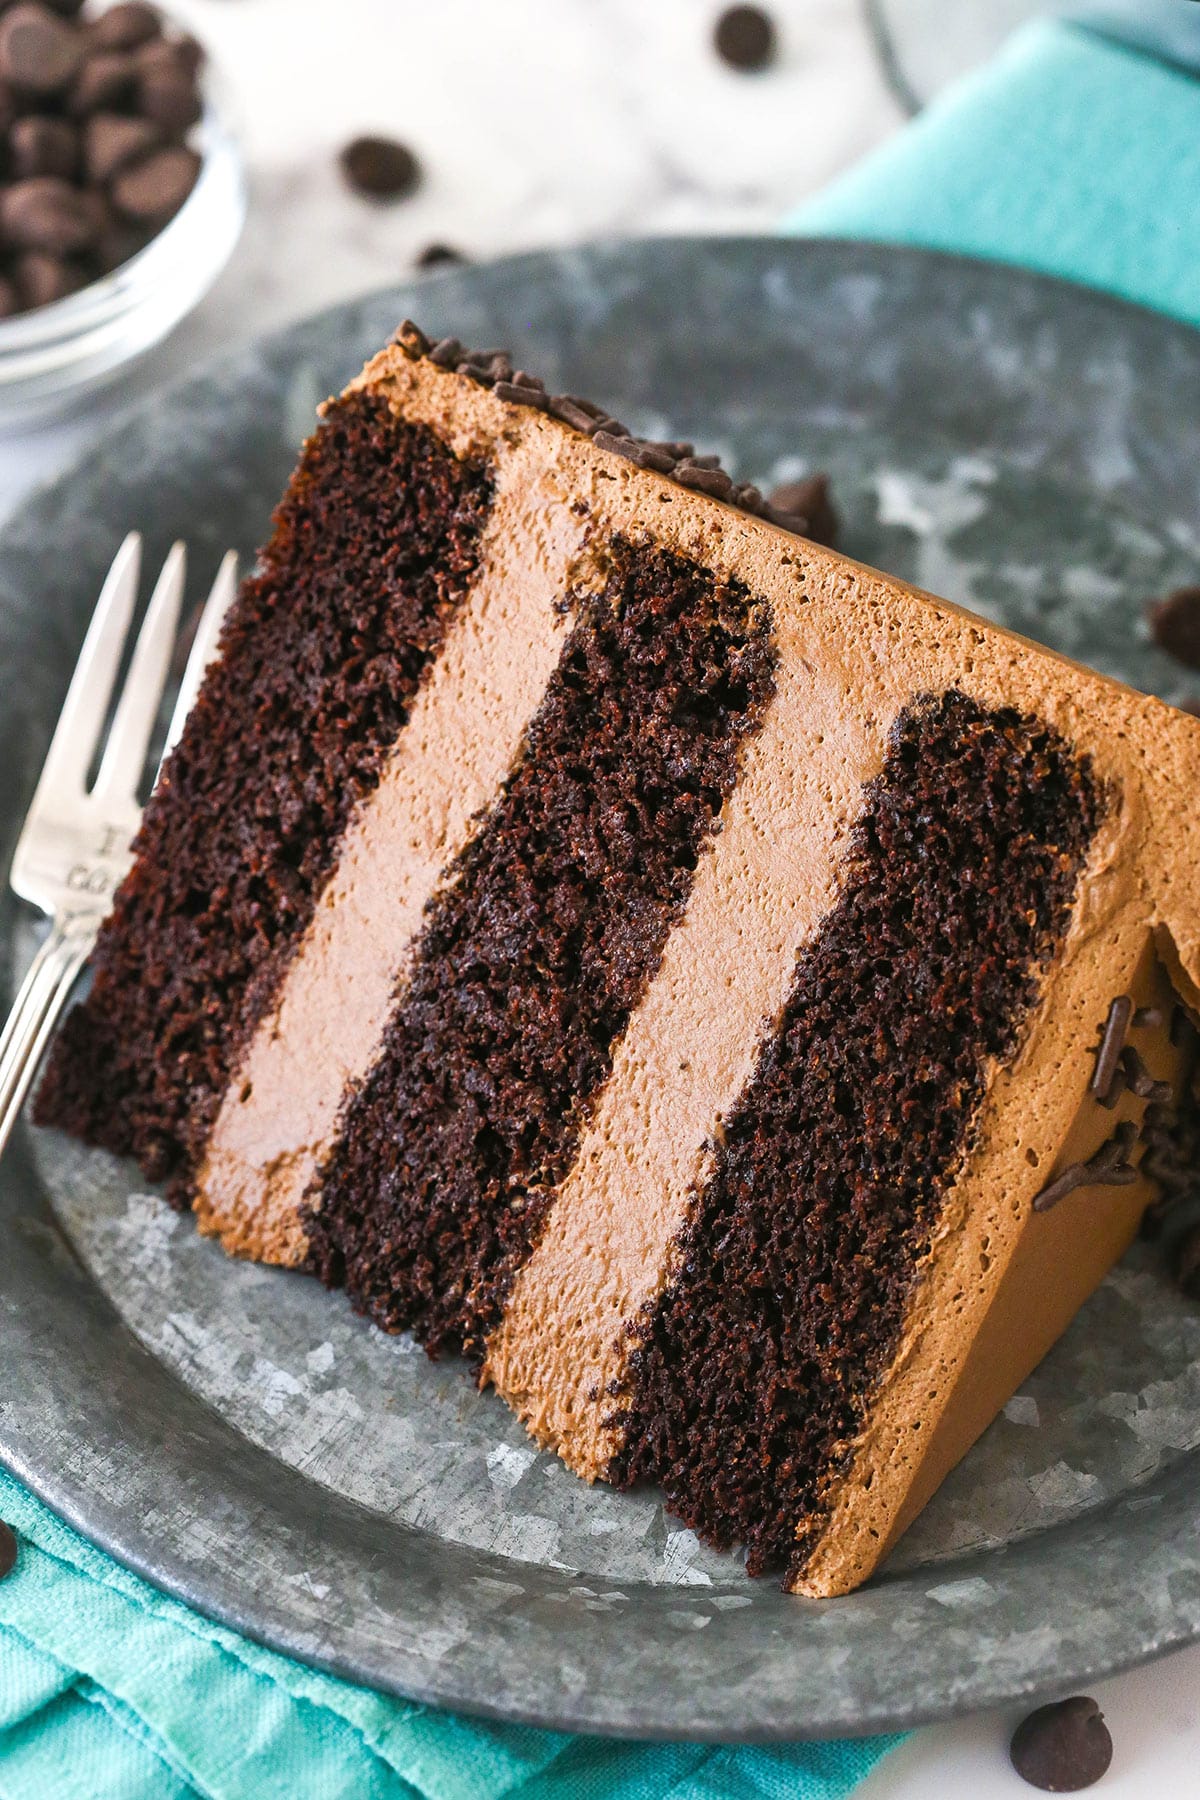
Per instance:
(46,213)
(40,146)
(152,191)
(106,79)
(809,500)
(1190,705)
(380,168)
(1187,1264)
(745,37)
(9,299)
(111,141)
(168,95)
(39,52)
(437,256)
(42,278)
(8,1549)
(1175,624)
(124,27)
(1062,1748)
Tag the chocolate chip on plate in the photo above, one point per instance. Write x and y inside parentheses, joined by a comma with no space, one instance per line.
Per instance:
(380,167)
(152,191)
(39,52)
(437,256)
(745,37)
(810,500)
(124,27)
(10,300)
(42,146)
(111,140)
(47,213)
(8,1549)
(1062,1748)
(1175,624)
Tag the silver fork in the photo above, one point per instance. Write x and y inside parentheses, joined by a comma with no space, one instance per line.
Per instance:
(74,847)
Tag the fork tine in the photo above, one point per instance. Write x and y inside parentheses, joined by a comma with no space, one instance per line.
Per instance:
(87,698)
(124,756)
(204,644)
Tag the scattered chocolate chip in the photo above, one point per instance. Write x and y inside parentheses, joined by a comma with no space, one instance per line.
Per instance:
(1175,625)
(8,1549)
(1062,1748)
(10,300)
(111,141)
(744,37)
(42,146)
(1190,705)
(439,256)
(42,278)
(46,213)
(39,52)
(124,27)
(811,501)
(106,79)
(380,168)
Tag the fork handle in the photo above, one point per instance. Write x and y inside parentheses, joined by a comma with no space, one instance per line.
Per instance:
(40,999)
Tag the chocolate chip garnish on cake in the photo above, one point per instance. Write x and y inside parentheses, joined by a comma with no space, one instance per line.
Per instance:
(622,940)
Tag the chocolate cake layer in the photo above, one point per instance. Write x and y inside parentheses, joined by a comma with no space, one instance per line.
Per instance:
(540,946)
(374,547)
(753,1371)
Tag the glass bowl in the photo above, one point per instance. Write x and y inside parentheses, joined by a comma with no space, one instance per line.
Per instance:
(50,356)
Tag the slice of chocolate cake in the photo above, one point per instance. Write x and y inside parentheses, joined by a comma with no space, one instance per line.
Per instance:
(717,989)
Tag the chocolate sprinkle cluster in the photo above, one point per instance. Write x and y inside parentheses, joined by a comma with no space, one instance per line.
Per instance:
(1169,1130)
(703,474)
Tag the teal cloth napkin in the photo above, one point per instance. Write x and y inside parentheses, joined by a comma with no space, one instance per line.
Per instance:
(1068,153)
(109,1690)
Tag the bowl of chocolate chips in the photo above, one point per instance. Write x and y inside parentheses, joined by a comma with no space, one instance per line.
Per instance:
(121,192)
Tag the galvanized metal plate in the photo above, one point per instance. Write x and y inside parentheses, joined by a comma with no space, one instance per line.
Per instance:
(240,1437)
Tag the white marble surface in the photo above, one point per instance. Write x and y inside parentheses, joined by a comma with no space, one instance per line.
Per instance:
(543,121)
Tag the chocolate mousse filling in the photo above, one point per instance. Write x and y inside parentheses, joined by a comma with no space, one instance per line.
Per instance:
(374,549)
(543,940)
(750,1376)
